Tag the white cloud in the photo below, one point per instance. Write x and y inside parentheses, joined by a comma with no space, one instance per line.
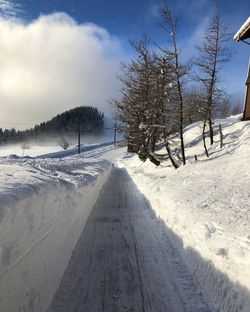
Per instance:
(54,64)
(9,8)
(6,5)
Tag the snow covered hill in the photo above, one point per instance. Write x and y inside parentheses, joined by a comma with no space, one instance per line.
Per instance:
(206,206)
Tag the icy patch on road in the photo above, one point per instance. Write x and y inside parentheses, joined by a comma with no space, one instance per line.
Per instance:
(44,205)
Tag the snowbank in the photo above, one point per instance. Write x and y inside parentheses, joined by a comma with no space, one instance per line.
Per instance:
(206,206)
(44,205)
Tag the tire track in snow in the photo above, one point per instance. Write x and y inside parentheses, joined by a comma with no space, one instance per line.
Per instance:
(124,260)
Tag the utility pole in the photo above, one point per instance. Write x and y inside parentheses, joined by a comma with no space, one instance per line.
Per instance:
(79,135)
(115,134)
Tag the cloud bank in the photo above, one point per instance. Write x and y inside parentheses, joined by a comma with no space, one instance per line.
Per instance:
(54,64)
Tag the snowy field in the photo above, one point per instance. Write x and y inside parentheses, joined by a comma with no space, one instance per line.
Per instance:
(206,206)
(33,150)
(36,148)
(44,204)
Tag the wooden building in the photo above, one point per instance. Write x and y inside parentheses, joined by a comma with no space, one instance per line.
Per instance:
(242,35)
(246,112)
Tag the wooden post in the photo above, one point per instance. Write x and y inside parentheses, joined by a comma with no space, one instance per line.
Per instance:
(221,136)
(115,134)
(79,136)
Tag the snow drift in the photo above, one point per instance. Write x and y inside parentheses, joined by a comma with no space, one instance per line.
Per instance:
(44,205)
(206,207)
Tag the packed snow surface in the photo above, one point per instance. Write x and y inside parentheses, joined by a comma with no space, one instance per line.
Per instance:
(206,205)
(125,261)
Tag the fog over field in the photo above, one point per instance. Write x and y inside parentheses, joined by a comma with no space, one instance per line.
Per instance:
(67,65)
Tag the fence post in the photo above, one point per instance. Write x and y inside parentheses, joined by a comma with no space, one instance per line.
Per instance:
(79,136)
(221,136)
(115,134)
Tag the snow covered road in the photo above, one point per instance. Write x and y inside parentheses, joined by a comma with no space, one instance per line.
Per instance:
(74,150)
(124,260)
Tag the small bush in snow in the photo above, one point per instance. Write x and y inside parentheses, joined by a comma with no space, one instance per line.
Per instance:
(63,143)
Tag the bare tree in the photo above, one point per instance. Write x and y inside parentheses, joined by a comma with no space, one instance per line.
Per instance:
(25,145)
(63,143)
(135,108)
(165,78)
(193,106)
(237,109)
(145,106)
(213,54)
(169,23)
(224,109)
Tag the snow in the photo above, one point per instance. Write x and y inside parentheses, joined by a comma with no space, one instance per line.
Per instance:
(32,151)
(206,206)
(242,30)
(124,260)
(36,148)
(44,205)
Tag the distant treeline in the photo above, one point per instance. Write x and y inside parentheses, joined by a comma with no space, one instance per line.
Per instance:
(89,118)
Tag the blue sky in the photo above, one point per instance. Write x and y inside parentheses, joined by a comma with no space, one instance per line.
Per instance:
(124,20)
(131,18)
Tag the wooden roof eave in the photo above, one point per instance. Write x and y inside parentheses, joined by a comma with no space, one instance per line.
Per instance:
(244,32)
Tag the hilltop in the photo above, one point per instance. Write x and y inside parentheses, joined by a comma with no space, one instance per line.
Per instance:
(89,118)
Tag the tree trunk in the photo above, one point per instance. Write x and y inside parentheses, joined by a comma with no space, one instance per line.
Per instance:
(153,160)
(170,155)
(152,143)
(221,136)
(211,130)
(204,138)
